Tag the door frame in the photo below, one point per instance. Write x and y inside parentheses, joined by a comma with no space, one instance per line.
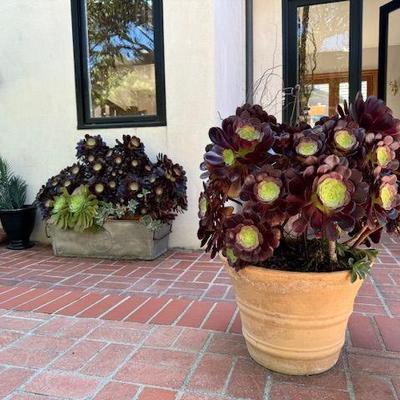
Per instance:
(289,22)
(384,12)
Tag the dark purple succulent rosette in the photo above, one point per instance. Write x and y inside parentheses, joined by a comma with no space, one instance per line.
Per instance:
(270,185)
(250,237)
(120,174)
(334,200)
(374,116)
(347,137)
(240,141)
(91,148)
(69,178)
(263,185)
(385,201)
(213,214)
(257,112)
(383,155)
(309,143)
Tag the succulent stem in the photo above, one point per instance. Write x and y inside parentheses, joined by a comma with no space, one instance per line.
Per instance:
(332,250)
(364,236)
(355,239)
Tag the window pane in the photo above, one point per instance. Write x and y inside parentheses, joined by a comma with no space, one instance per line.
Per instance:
(344,91)
(323,51)
(121,58)
(370,41)
(364,89)
(318,102)
(393,63)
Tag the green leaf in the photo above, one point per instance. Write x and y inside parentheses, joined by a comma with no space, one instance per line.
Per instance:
(132,206)
(108,210)
(150,223)
(340,250)
(360,269)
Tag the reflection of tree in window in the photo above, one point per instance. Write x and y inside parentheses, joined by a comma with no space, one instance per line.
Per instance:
(307,62)
(322,29)
(121,57)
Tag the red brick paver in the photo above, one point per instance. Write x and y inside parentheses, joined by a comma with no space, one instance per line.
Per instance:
(169,330)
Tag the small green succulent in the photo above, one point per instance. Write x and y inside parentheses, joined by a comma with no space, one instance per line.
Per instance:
(150,223)
(61,215)
(76,211)
(106,211)
(83,207)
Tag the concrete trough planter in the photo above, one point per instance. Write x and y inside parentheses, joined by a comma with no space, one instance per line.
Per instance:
(117,240)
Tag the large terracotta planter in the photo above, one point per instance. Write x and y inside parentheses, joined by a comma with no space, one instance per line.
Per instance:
(294,322)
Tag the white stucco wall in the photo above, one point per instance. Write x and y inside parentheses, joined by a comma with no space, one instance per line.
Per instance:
(37,91)
(230,53)
(267,37)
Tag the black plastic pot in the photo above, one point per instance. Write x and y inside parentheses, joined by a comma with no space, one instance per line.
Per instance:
(18,225)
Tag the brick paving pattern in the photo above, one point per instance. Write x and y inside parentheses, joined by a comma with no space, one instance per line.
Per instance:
(169,330)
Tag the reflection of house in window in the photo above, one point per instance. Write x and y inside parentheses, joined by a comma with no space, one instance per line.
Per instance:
(323,54)
(131,93)
(330,89)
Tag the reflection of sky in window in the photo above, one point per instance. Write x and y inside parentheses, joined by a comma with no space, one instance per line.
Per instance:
(142,35)
(338,42)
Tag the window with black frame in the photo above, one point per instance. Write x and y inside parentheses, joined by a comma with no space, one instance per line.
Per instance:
(322,57)
(119,63)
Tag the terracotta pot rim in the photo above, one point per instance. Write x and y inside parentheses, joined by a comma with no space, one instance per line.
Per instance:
(252,271)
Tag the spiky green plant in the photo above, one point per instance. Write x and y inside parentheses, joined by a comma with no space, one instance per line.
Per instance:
(12,188)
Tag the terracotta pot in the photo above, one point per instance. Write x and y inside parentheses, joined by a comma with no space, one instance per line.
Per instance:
(294,322)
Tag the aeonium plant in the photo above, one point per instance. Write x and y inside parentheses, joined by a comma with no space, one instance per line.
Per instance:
(302,198)
(119,182)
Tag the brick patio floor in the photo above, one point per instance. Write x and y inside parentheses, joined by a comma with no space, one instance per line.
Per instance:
(169,330)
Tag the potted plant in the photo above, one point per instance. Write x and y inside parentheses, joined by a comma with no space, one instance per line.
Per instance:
(293,211)
(17,218)
(114,202)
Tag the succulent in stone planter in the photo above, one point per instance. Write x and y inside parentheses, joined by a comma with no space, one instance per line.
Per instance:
(119,182)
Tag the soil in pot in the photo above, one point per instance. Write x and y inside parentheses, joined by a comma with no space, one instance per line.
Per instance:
(18,225)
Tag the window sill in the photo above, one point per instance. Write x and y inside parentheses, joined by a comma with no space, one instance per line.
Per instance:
(120,124)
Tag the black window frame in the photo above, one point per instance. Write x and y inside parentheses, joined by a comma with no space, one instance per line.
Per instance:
(384,12)
(79,34)
(289,22)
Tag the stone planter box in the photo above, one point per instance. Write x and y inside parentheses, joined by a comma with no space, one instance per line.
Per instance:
(117,240)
